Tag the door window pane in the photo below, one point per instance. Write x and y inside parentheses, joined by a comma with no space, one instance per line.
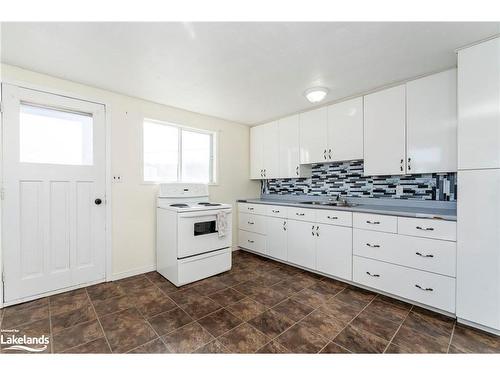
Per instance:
(54,136)
(161,152)
(196,156)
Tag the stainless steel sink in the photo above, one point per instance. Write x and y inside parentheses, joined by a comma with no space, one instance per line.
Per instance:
(332,204)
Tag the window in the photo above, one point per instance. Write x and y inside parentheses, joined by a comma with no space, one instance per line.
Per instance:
(54,136)
(173,153)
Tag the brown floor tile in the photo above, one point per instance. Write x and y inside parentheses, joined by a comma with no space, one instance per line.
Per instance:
(72,318)
(112,305)
(233,278)
(287,288)
(99,346)
(169,321)
(209,286)
(394,349)
(104,291)
(155,277)
(152,302)
(248,288)
(26,305)
(77,335)
(412,341)
(355,297)
(340,310)
(271,323)
(333,348)
(302,339)
(269,297)
(213,347)
(157,346)
(187,339)
(328,288)
(68,301)
(14,318)
(426,324)
(293,309)
(167,287)
(227,296)
(387,310)
(200,306)
(126,330)
(267,279)
(470,340)
(323,324)
(246,309)
(310,297)
(219,322)
(134,283)
(243,339)
(375,324)
(360,341)
(303,280)
(273,347)
(184,296)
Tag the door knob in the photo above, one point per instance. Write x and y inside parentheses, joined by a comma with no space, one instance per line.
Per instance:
(98,201)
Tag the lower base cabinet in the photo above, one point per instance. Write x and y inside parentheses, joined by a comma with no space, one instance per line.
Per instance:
(334,251)
(301,237)
(252,241)
(277,238)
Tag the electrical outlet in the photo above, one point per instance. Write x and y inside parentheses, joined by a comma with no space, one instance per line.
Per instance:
(117,179)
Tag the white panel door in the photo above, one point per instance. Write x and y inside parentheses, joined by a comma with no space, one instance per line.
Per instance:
(256,152)
(271,151)
(479,106)
(431,104)
(384,132)
(301,239)
(54,176)
(289,158)
(313,136)
(478,247)
(334,251)
(276,237)
(345,130)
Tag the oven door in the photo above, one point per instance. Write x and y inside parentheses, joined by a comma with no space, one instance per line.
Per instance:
(198,233)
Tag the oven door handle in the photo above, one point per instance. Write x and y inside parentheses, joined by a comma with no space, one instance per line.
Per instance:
(202,214)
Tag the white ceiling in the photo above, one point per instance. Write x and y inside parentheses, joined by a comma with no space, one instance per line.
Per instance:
(245,72)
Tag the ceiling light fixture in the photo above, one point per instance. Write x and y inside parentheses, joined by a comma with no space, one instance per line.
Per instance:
(316,94)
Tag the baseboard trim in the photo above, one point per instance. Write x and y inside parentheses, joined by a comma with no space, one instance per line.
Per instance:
(133,272)
(493,331)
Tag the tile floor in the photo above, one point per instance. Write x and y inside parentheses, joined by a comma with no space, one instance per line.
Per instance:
(260,306)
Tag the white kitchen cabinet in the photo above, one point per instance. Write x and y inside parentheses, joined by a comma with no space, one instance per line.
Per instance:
(314,136)
(334,250)
(289,149)
(277,238)
(431,105)
(301,239)
(345,130)
(479,106)
(478,247)
(384,132)
(264,151)
(256,152)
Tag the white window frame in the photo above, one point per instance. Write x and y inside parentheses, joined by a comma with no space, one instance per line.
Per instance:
(213,165)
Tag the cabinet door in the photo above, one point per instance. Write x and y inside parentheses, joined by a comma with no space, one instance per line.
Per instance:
(289,147)
(478,244)
(384,132)
(270,152)
(276,237)
(334,251)
(345,130)
(301,239)
(431,105)
(479,106)
(313,136)
(256,152)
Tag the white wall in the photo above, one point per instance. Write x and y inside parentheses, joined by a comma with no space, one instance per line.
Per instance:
(133,201)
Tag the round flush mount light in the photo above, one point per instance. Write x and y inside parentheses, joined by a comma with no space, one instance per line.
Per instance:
(316,94)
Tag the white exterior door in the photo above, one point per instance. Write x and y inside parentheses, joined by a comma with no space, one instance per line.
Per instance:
(54,192)
(276,237)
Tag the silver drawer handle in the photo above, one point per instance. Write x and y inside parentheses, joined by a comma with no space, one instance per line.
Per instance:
(424,289)
(300,214)
(372,274)
(332,217)
(424,256)
(372,222)
(420,228)
(251,241)
(276,211)
(250,208)
(370,245)
(251,222)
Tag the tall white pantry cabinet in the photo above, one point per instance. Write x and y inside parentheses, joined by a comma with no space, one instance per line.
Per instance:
(478,203)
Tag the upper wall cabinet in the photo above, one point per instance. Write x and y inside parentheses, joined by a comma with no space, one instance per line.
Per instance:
(256,152)
(289,157)
(345,130)
(264,151)
(384,132)
(431,115)
(313,136)
(479,106)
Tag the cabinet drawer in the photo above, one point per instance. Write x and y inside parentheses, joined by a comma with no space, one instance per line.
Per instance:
(252,223)
(382,223)
(421,253)
(424,287)
(276,211)
(343,218)
(252,241)
(258,209)
(430,228)
(302,214)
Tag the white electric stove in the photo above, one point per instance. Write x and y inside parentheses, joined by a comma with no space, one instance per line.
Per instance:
(193,235)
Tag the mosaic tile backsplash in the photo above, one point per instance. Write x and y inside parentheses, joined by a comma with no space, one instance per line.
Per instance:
(347,179)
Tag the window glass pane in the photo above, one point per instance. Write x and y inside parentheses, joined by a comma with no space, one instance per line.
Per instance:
(161,152)
(54,137)
(196,156)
